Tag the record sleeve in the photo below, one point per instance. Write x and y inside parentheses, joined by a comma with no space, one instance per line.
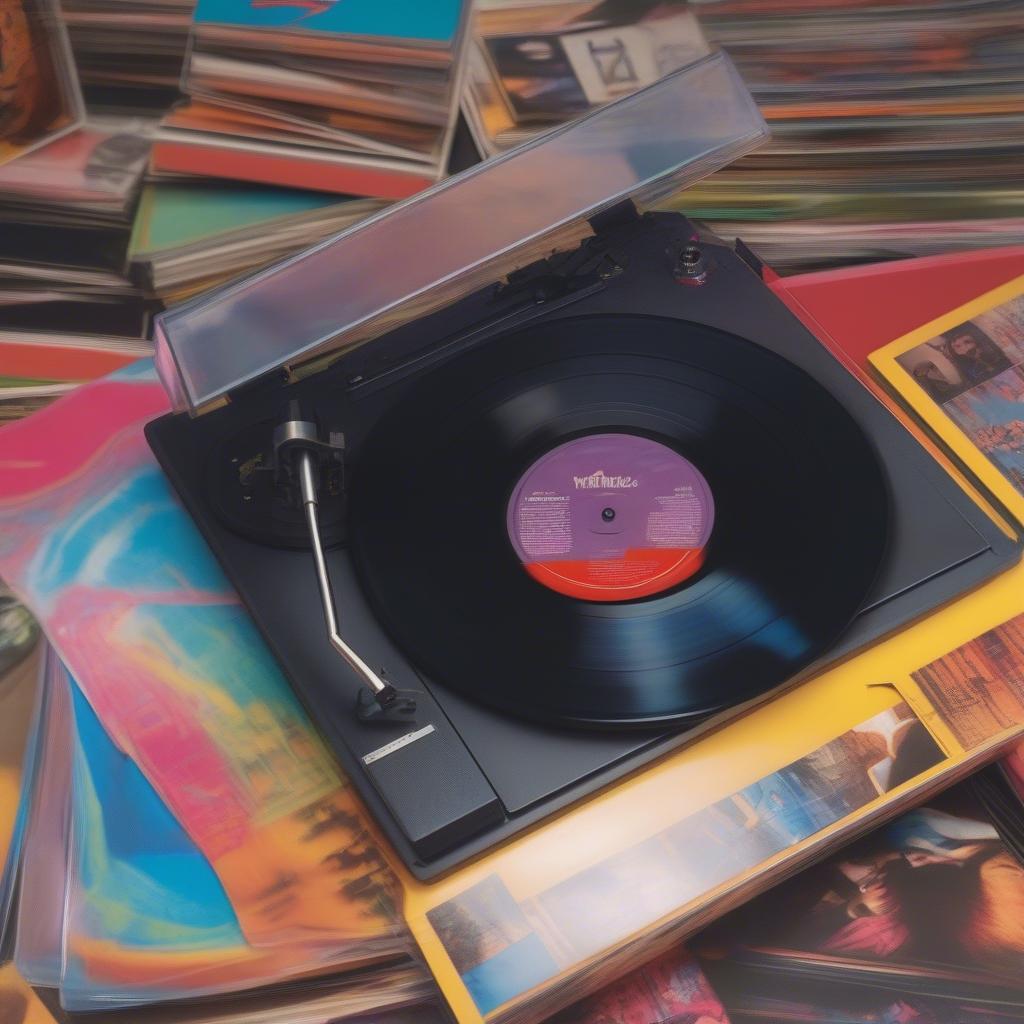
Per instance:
(962,375)
(917,921)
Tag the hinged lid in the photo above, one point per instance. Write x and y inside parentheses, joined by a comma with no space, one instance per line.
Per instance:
(472,228)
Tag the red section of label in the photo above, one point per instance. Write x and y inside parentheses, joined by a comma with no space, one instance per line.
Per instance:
(638,573)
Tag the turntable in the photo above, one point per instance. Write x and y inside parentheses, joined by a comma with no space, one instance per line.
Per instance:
(523,481)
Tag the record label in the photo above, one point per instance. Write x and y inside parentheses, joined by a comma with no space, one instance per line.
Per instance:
(611,517)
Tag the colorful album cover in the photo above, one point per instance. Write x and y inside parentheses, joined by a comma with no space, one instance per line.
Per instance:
(146,916)
(39,92)
(537,77)
(963,374)
(171,216)
(397,21)
(921,922)
(979,686)
(168,659)
(502,945)
(669,990)
(136,913)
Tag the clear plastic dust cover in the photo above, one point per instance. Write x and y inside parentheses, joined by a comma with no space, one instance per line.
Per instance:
(467,231)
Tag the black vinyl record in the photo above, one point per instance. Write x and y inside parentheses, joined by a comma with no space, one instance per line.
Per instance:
(798,534)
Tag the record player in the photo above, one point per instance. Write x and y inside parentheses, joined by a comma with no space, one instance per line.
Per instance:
(523,481)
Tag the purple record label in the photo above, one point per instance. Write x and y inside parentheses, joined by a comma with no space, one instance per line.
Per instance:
(610,517)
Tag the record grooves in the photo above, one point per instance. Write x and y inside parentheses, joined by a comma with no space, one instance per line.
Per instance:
(800,512)
(767,482)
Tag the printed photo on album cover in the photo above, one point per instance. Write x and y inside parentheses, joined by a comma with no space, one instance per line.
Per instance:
(502,943)
(922,922)
(975,372)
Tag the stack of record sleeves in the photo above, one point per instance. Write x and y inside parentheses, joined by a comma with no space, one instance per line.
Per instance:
(129,55)
(110,925)
(897,127)
(355,97)
(38,366)
(68,190)
(68,209)
(194,234)
(918,923)
(182,831)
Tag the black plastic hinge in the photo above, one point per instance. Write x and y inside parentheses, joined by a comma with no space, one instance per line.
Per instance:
(624,212)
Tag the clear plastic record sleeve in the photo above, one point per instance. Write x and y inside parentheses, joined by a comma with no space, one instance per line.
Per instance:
(464,233)
(21,713)
(119,908)
(257,801)
(43,882)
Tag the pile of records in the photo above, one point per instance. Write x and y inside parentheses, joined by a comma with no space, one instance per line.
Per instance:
(897,127)
(87,900)
(67,210)
(68,189)
(129,56)
(192,235)
(39,366)
(353,98)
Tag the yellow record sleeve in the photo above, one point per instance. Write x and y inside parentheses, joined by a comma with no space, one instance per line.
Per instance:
(923,371)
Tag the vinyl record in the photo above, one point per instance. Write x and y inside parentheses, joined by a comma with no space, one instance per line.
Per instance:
(752,510)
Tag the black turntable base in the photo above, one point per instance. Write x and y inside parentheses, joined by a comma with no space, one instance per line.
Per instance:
(808,521)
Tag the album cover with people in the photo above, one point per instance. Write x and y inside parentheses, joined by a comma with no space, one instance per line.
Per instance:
(922,921)
(966,371)
(502,943)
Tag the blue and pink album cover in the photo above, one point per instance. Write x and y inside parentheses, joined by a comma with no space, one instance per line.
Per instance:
(436,22)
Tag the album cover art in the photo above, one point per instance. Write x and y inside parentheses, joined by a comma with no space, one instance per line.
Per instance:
(536,75)
(399,20)
(167,657)
(550,75)
(971,370)
(922,921)
(669,990)
(979,687)
(39,94)
(502,945)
